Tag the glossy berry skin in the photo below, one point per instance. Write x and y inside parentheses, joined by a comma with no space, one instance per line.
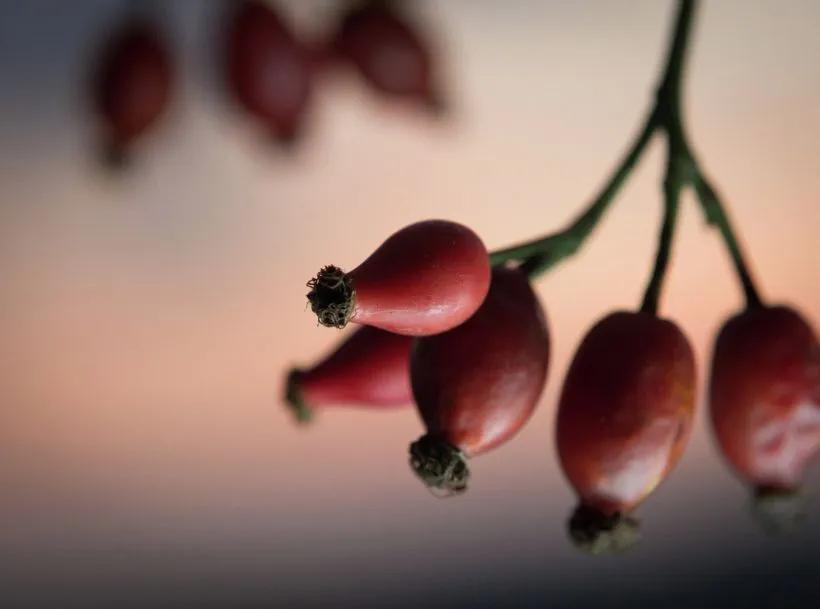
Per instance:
(478,384)
(369,368)
(764,401)
(624,417)
(132,85)
(424,279)
(389,53)
(269,70)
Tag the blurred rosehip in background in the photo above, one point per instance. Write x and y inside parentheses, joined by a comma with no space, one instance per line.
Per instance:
(270,71)
(624,417)
(370,367)
(424,279)
(475,386)
(132,85)
(764,404)
(389,52)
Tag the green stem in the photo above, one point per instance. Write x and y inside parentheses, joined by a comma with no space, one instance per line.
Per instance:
(669,119)
(548,251)
(672,192)
(538,256)
(683,170)
(717,216)
(672,80)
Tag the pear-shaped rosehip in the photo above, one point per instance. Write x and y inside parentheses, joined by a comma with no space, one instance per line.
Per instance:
(624,417)
(426,278)
(477,385)
(131,85)
(370,368)
(764,406)
(390,53)
(269,69)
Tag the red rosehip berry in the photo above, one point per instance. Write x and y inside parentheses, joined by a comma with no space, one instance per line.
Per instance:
(370,368)
(624,417)
(389,53)
(424,279)
(131,86)
(764,406)
(269,70)
(477,385)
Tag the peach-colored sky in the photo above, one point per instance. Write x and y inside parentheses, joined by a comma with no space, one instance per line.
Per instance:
(146,324)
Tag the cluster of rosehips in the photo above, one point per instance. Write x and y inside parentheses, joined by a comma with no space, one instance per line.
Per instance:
(468,343)
(269,69)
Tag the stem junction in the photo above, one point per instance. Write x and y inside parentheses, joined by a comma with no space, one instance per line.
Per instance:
(682,171)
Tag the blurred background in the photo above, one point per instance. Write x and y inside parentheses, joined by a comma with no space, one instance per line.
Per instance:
(147,320)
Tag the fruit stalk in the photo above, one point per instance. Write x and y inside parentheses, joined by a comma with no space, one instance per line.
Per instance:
(672,193)
(683,170)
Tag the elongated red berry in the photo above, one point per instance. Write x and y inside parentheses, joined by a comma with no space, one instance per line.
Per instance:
(269,69)
(426,278)
(624,417)
(370,368)
(477,385)
(764,405)
(132,85)
(390,53)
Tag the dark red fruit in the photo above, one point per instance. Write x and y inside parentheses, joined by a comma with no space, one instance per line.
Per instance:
(132,85)
(426,278)
(389,53)
(764,404)
(370,367)
(269,70)
(624,417)
(476,385)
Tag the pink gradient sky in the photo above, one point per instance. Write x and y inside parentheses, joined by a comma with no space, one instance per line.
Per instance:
(146,325)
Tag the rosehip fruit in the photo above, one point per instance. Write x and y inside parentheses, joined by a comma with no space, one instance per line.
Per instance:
(624,417)
(389,53)
(764,405)
(131,86)
(476,386)
(424,279)
(269,70)
(370,367)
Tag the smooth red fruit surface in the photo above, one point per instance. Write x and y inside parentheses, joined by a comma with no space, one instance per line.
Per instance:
(425,279)
(370,367)
(269,70)
(389,53)
(624,417)
(132,84)
(476,385)
(764,401)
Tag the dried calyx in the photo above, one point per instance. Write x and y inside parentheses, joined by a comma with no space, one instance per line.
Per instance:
(332,297)
(595,532)
(293,395)
(285,138)
(440,465)
(115,157)
(779,510)
(436,104)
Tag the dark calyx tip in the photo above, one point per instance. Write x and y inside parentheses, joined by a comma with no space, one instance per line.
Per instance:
(331,297)
(779,510)
(595,533)
(286,139)
(439,465)
(437,105)
(293,396)
(115,158)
